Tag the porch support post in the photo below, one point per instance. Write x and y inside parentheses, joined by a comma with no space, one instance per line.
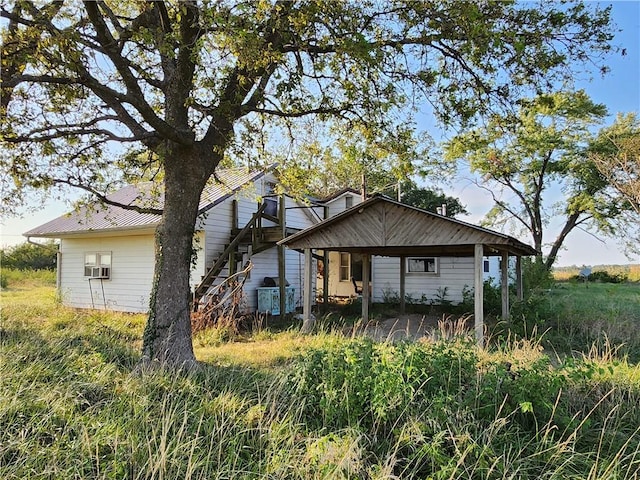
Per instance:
(504,283)
(365,287)
(325,281)
(519,285)
(307,317)
(478,294)
(282,261)
(325,261)
(403,274)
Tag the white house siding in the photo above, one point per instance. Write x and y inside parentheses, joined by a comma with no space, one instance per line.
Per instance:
(217,227)
(337,288)
(494,274)
(339,204)
(128,289)
(454,274)
(265,264)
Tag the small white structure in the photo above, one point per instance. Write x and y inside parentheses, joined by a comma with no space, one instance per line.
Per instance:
(106,257)
(492,269)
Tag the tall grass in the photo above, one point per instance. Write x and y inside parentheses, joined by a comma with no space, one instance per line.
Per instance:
(577,315)
(326,407)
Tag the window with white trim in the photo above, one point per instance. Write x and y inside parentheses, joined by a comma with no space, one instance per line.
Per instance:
(345,267)
(97,265)
(428,265)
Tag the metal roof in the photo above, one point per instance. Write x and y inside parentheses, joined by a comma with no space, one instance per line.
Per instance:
(99,217)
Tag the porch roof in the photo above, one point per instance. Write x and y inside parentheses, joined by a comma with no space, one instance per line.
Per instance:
(381,226)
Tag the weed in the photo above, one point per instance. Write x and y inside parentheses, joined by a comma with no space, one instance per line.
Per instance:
(283,405)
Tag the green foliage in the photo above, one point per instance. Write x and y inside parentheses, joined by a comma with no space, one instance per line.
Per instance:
(535,275)
(366,384)
(430,200)
(602,276)
(492,298)
(343,408)
(574,316)
(28,256)
(629,271)
(545,143)
(26,278)
(194,83)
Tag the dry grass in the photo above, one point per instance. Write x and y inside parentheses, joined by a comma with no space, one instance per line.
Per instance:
(632,272)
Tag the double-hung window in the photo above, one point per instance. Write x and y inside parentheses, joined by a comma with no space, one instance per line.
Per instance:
(427,265)
(97,265)
(345,267)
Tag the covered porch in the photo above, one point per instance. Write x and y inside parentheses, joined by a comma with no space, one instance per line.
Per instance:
(383,227)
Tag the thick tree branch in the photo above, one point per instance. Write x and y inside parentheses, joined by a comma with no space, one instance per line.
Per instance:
(104,199)
(135,96)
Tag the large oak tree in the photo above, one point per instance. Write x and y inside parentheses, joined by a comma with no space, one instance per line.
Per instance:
(184,81)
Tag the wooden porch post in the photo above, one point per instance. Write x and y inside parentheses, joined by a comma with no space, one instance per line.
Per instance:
(282,262)
(307,317)
(478,295)
(403,274)
(519,285)
(365,287)
(504,284)
(325,278)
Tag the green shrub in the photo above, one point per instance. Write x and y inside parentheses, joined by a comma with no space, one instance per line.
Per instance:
(602,276)
(364,383)
(26,278)
(28,256)
(535,275)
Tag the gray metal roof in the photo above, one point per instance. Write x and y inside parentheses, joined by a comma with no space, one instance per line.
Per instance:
(100,217)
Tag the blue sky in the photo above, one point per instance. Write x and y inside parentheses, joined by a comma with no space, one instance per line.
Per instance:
(619,91)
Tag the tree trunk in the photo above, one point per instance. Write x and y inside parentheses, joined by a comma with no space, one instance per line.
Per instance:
(566,230)
(167,336)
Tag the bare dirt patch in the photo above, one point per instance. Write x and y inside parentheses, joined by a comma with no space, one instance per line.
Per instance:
(413,327)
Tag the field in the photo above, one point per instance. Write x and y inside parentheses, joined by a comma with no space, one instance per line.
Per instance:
(559,401)
(632,272)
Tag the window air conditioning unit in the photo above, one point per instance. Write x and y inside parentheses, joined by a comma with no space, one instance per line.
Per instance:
(100,272)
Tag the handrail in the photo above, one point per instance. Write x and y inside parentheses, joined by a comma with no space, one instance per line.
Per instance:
(222,259)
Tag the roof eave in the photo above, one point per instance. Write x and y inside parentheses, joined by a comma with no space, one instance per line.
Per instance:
(141,229)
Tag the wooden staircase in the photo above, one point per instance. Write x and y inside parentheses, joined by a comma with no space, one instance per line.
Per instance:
(254,236)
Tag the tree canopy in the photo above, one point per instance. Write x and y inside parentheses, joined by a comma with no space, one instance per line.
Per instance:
(190,82)
(522,157)
(616,153)
(29,256)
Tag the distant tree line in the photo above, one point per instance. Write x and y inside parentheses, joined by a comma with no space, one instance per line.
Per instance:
(29,256)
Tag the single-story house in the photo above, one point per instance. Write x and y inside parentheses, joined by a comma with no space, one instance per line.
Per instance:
(106,255)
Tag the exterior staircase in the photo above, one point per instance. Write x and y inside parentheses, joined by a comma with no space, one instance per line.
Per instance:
(253,238)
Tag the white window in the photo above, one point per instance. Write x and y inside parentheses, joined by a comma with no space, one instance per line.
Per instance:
(345,267)
(97,264)
(486,266)
(422,265)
